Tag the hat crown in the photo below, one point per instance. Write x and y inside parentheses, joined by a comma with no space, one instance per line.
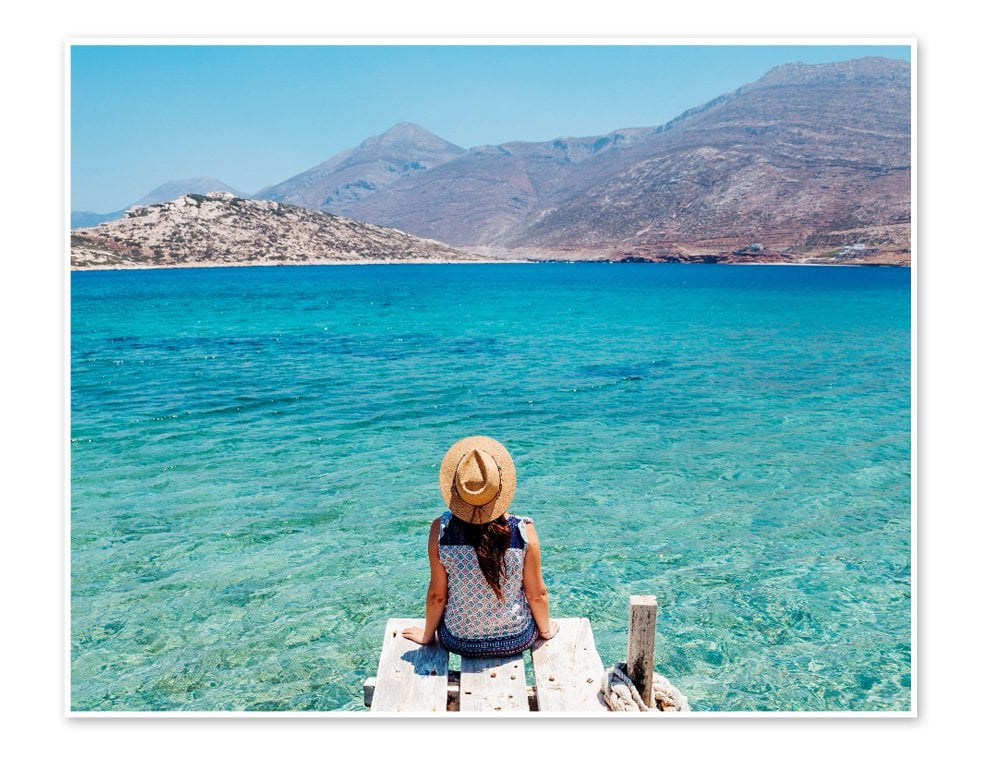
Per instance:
(477,478)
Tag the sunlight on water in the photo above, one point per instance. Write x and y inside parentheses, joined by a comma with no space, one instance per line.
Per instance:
(254,461)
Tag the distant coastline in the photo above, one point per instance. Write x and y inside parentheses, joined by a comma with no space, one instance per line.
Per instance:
(264,264)
(220,229)
(268,264)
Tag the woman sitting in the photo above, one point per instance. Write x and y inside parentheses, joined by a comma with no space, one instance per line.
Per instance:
(486,596)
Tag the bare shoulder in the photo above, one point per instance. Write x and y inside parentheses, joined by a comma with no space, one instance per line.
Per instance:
(433,541)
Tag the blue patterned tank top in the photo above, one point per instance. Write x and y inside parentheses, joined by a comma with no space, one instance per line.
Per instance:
(475,622)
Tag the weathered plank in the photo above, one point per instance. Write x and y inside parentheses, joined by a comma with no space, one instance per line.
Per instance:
(495,684)
(568,670)
(411,678)
(643,611)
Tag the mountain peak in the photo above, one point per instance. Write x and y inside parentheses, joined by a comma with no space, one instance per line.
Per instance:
(407,128)
(171,190)
(406,133)
(403,150)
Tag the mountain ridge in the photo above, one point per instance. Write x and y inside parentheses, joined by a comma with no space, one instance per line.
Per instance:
(804,152)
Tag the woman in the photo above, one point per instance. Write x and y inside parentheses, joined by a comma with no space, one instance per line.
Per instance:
(486,596)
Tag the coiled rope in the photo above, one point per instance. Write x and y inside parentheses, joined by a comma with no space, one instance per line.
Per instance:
(621,695)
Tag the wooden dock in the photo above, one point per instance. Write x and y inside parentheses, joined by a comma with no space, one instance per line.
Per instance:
(567,671)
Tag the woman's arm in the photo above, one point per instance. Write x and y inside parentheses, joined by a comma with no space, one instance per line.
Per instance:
(436,595)
(535,586)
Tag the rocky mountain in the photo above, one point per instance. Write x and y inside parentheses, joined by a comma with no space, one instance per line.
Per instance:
(483,196)
(403,151)
(809,162)
(166,192)
(222,229)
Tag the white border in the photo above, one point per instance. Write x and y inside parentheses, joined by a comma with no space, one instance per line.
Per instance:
(67,367)
(454,40)
(450,40)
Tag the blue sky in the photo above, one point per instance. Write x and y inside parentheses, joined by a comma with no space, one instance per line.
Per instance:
(255,115)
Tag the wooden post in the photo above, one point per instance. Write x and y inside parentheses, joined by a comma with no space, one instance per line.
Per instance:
(641,643)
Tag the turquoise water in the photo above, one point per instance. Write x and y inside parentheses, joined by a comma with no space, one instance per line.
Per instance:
(254,461)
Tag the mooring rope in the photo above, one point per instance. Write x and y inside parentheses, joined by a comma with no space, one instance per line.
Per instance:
(621,695)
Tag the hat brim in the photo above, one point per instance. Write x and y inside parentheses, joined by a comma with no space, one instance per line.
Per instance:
(448,469)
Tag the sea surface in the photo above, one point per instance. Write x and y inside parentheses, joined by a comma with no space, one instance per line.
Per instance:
(254,457)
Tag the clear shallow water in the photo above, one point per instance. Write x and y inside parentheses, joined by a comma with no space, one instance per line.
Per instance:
(254,461)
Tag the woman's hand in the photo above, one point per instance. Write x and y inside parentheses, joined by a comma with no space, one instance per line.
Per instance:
(553,630)
(415,634)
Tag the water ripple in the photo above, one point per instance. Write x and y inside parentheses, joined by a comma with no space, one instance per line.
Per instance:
(255,452)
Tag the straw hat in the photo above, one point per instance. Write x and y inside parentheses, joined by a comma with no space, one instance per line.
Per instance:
(477,479)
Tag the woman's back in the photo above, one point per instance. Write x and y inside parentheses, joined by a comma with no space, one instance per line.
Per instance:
(473,610)
(486,595)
